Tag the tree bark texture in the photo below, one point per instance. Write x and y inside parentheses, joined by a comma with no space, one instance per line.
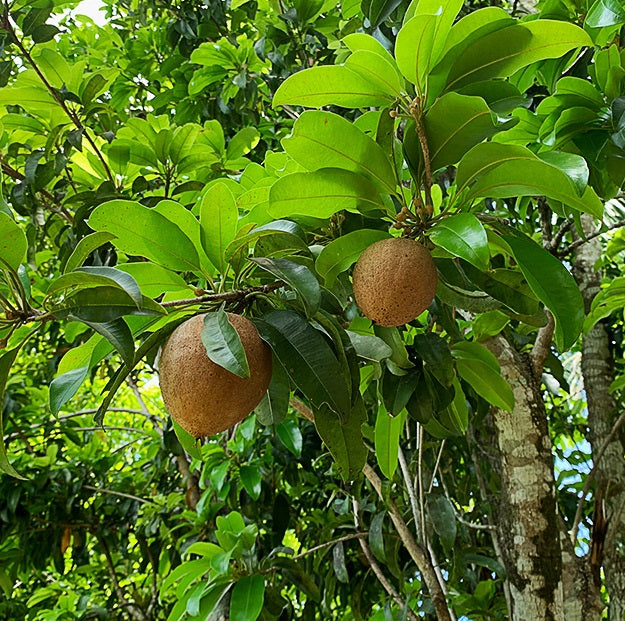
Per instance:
(525,512)
(608,536)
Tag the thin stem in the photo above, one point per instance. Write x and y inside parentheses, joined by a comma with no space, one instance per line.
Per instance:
(104,490)
(411,493)
(591,236)
(8,26)
(436,465)
(417,114)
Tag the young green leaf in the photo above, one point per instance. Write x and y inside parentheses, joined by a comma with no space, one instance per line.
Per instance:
(322,193)
(147,233)
(340,254)
(325,140)
(218,221)
(247,598)
(223,344)
(463,236)
(85,247)
(387,433)
(326,85)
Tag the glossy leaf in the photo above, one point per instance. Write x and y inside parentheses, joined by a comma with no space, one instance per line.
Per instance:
(291,436)
(605,13)
(344,439)
(218,221)
(480,369)
(455,124)
(463,235)
(299,277)
(413,49)
(322,193)
(325,140)
(247,598)
(505,171)
(118,334)
(500,54)
(369,347)
(553,285)
(147,233)
(223,344)
(380,71)
(387,433)
(251,479)
(85,247)
(340,254)
(307,358)
(13,243)
(326,85)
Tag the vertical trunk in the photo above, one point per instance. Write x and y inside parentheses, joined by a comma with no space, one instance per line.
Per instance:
(525,512)
(608,545)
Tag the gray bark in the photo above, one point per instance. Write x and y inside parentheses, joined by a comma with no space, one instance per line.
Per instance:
(608,540)
(527,528)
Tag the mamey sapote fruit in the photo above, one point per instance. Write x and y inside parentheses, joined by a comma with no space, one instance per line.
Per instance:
(201,396)
(394,281)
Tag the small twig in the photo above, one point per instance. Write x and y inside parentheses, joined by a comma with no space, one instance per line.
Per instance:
(436,465)
(417,115)
(580,505)
(377,570)
(71,114)
(104,490)
(226,296)
(327,544)
(589,237)
(542,345)
(560,233)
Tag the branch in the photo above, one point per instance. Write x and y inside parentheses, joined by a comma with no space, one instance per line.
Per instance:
(74,118)
(589,237)
(418,555)
(560,233)
(377,570)
(327,544)
(580,505)
(416,113)
(104,490)
(542,345)
(228,296)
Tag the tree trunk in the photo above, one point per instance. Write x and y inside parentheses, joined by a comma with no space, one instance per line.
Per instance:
(608,543)
(525,512)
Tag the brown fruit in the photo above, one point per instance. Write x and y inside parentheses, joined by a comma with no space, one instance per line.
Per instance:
(201,396)
(394,281)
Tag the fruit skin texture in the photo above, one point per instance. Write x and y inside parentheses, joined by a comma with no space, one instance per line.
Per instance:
(394,281)
(201,396)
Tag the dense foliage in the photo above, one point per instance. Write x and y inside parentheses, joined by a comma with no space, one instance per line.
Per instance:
(240,156)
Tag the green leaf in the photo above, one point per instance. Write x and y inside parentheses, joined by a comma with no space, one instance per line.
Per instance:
(283,227)
(218,221)
(553,285)
(299,277)
(307,358)
(380,71)
(98,276)
(290,436)
(572,165)
(463,236)
(455,124)
(65,386)
(247,598)
(443,518)
(338,562)
(154,279)
(506,171)
(147,233)
(326,85)
(223,344)
(340,254)
(326,140)
(13,243)
(273,408)
(501,53)
(118,334)
(6,361)
(413,49)
(344,439)
(376,536)
(605,13)
(369,347)
(85,247)
(322,193)
(479,368)
(102,304)
(387,433)
(251,479)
